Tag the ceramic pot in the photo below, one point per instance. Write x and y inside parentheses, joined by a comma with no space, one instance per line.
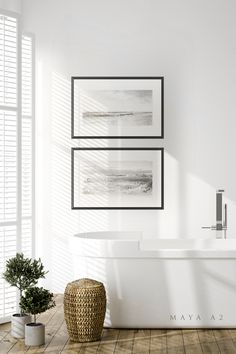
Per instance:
(34,334)
(18,323)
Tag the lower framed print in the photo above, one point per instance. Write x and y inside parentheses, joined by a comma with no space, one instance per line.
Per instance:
(117,178)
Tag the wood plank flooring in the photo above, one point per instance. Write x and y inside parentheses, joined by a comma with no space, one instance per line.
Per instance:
(122,341)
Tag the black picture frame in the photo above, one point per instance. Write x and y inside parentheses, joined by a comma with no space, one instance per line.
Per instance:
(76,136)
(74,207)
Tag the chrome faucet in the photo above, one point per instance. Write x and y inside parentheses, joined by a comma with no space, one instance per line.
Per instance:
(221,222)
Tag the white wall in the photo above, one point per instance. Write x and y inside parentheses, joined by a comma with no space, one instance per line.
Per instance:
(11,5)
(192,43)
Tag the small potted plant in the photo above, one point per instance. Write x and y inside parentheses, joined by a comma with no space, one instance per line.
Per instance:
(35,301)
(22,273)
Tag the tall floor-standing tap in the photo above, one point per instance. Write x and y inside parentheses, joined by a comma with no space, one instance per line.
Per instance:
(221,221)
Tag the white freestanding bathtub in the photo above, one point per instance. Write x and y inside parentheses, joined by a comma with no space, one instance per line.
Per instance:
(153,283)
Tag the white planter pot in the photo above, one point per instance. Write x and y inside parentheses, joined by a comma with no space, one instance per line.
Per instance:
(34,334)
(18,323)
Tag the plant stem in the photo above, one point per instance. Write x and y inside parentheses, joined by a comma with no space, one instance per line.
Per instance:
(21,311)
(34,318)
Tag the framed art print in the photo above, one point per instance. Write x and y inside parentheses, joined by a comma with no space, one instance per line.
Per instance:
(117,107)
(117,178)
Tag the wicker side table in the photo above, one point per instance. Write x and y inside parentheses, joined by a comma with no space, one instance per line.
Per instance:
(84,309)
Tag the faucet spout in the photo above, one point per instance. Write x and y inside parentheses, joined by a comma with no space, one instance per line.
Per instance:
(219,210)
(221,221)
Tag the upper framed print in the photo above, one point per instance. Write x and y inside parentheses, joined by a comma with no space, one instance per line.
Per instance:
(117,178)
(117,107)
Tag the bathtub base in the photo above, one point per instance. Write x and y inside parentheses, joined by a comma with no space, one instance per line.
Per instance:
(160,283)
(165,293)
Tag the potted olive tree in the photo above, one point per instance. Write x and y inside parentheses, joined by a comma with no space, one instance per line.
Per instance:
(35,301)
(22,273)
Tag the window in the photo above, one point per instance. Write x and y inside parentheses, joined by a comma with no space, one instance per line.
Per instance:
(16,149)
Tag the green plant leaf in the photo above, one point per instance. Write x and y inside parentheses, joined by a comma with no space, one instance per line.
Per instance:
(37,300)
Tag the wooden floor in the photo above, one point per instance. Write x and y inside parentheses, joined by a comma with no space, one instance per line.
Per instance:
(155,341)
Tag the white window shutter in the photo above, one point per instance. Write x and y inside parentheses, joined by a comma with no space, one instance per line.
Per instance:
(27,141)
(16,150)
(8,155)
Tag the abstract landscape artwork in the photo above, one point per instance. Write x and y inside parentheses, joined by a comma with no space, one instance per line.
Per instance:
(117,107)
(127,178)
(117,178)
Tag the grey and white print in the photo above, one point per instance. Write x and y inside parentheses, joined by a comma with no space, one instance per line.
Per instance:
(126,178)
(117,107)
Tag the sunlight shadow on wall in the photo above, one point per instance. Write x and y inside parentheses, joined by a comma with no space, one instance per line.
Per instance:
(65,222)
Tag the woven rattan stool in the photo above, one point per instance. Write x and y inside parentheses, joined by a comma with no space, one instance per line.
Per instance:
(85,308)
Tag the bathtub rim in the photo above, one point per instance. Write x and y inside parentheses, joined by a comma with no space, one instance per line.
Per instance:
(104,245)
